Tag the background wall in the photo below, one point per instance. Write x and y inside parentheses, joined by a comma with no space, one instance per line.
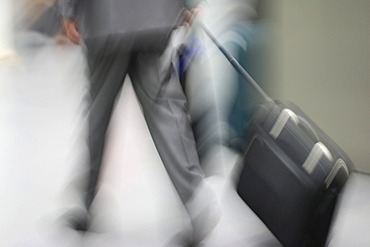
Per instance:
(320,59)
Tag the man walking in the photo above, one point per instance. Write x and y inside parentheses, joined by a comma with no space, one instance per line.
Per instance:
(129,37)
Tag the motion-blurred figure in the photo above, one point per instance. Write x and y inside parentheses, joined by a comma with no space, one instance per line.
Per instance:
(8,55)
(41,16)
(221,102)
(36,24)
(130,37)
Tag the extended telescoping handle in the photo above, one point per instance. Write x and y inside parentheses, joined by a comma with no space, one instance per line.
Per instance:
(236,64)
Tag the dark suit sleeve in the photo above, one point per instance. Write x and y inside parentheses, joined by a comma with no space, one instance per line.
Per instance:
(68,8)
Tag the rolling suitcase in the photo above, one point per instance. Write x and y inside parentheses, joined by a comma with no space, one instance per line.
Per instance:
(291,172)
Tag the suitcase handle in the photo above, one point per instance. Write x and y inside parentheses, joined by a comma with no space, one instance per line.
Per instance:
(282,120)
(236,64)
(312,161)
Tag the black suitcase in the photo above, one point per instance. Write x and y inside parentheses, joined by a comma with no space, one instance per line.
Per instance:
(291,171)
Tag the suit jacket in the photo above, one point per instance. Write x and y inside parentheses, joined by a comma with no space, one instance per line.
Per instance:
(138,24)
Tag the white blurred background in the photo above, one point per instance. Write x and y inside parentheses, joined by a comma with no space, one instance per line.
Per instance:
(315,53)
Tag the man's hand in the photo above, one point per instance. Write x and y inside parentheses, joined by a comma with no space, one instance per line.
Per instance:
(70,29)
(190,15)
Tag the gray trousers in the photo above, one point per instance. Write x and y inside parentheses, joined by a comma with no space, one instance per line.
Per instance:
(164,106)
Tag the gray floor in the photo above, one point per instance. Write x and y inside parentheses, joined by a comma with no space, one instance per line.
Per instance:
(42,152)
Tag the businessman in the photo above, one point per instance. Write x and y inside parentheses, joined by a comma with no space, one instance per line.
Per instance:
(129,37)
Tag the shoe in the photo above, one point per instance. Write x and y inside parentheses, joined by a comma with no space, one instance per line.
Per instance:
(77,219)
(181,239)
(205,213)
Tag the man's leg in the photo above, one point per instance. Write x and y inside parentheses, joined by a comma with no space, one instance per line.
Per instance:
(165,110)
(107,73)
